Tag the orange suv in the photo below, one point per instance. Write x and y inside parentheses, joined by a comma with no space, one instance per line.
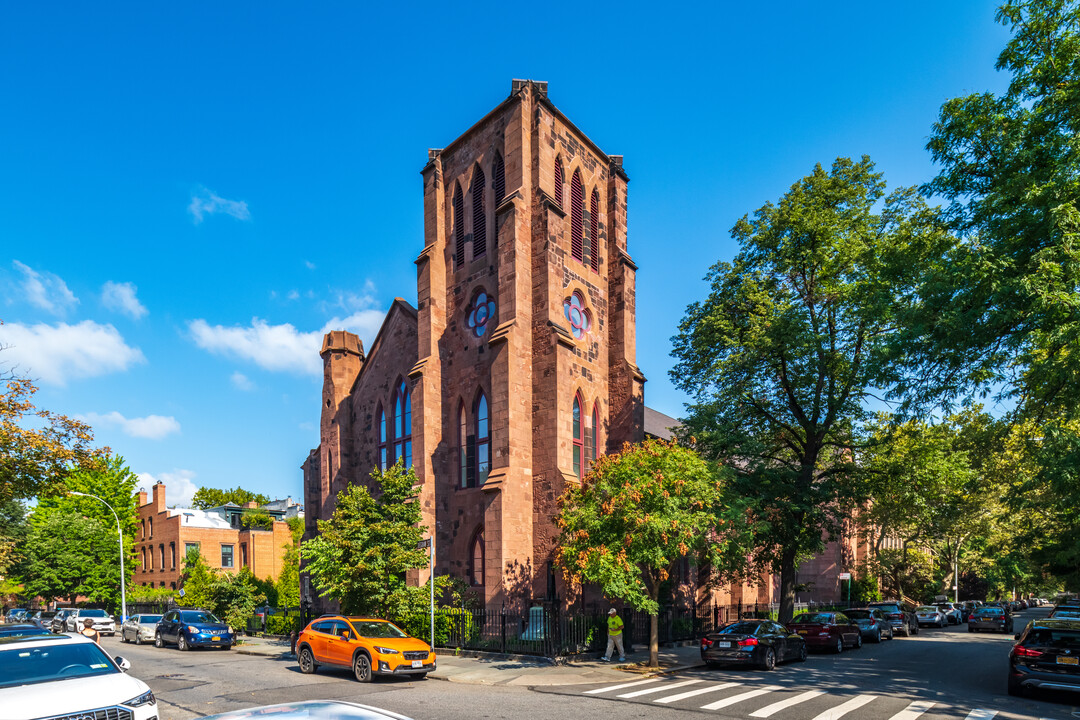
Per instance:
(367,645)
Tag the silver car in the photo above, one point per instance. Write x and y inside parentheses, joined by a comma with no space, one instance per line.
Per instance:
(139,628)
(75,620)
(930,615)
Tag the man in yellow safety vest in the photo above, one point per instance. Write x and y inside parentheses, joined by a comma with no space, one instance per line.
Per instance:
(614,635)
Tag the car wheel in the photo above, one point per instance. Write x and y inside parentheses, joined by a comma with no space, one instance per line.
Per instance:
(916,630)
(138,639)
(159,642)
(769,661)
(307,661)
(362,668)
(226,648)
(971,629)
(839,645)
(802,653)
(877,636)
(123,637)
(858,641)
(182,643)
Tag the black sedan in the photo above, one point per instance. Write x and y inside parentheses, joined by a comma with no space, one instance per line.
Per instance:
(1046,656)
(760,643)
(990,617)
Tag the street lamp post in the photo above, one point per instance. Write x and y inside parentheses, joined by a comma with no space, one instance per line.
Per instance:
(120,534)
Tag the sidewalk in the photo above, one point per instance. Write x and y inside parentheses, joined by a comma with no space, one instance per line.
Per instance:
(493,669)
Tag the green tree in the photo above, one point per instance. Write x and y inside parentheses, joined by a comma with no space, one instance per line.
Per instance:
(791,345)
(196,579)
(14,527)
(206,497)
(361,555)
(234,596)
(38,448)
(639,512)
(288,580)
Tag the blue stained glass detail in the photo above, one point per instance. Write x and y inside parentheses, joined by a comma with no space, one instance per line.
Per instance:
(481,314)
(579,318)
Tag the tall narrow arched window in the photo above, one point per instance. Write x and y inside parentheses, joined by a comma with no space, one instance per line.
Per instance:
(594,435)
(479,216)
(403,425)
(483,440)
(381,422)
(459,227)
(463,446)
(578,444)
(577,216)
(594,231)
(476,559)
(498,179)
(558,182)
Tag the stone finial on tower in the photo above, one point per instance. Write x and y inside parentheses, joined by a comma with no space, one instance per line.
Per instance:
(540,86)
(343,342)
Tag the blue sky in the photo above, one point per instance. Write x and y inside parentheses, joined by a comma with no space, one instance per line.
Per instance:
(190,194)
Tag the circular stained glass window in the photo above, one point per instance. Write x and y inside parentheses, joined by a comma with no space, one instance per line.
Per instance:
(481,313)
(580,318)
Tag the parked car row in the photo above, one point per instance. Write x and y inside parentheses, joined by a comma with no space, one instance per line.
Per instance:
(186,628)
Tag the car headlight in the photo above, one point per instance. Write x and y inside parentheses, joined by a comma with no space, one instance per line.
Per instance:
(193,630)
(230,629)
(385,651)
(145,699)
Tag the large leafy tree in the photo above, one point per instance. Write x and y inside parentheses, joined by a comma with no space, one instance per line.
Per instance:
(792,343)
(639,512)
(38,448)
(362,554)
(55,519)
(1001,312)
(208,497)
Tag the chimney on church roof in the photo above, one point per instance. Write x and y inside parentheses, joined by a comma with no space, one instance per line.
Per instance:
(540,86)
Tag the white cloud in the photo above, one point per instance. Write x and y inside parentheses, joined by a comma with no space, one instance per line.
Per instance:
(46,291)
(207,202)
(153,427)
(179,488)
(242,382)
(121,298)
(309,265)
(56,354)
(293,295)
(279,347)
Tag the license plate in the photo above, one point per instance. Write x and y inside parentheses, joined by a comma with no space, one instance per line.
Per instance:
(417,663)
(723,644)
(215,638)
(801,632)
(1068,660)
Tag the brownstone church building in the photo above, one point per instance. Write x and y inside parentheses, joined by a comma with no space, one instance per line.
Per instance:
(516,368)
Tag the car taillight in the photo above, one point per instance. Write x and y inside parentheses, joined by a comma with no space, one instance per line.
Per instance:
(1026,652)
(896,615)
(748,642)
(706,642)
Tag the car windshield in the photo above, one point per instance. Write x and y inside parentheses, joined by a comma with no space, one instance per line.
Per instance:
(377,629)
(149,618)
(23,630)
(1066,613)
(987,612)
(27,665)
(822,618)
(860,614)
(92,613)
(945,607)
(740,628)
(926,609)
(891,607)
(198,616)
(1053,638)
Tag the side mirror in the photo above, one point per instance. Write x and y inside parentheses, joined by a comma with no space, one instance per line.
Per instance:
(346,635)
(123,663)
(1016,636)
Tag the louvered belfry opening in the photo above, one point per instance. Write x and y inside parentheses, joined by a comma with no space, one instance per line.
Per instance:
(577,220)
(594,231)
(498,179)
(459,227)
(558,182)
(479,216)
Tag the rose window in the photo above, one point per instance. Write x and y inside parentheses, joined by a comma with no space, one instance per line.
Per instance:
(580,318)
(481,314)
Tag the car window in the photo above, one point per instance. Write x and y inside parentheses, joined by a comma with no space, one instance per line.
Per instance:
(891,607)
(777,627)
(92,613)
(198,616)
(1053,638)
(861,614)
(321,627)
(841,619)
(149,618)
(989,611)
(813,618)
(338,628)
(740,628)
(371,629)
(23,665)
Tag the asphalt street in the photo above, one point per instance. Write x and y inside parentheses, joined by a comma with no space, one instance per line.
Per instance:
(940,674)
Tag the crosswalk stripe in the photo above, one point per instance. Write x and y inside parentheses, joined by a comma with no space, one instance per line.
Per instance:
(844,708)
(699,691)
(620,687)
(662,688)
(913,711)
(778,706)
(979,714)
(740,697)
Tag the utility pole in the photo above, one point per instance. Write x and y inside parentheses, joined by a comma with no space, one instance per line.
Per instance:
(120,534)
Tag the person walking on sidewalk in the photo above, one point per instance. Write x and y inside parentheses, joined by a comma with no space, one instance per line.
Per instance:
(614,635)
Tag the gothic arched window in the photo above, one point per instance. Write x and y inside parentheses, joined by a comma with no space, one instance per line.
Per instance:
(381,422)
(577,216)
(479,216)
(476,559)
(463,445)
(498,179)
(558,182)
(594,232)
(578,436)
(483,440)
(403,424)
(459,227)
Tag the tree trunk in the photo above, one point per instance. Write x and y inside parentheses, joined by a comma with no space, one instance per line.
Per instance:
(654,640)
(787,584)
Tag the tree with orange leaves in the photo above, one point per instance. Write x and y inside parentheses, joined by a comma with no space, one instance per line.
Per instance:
(638,513)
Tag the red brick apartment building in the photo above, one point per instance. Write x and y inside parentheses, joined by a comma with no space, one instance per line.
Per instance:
(518,365)
(166,535)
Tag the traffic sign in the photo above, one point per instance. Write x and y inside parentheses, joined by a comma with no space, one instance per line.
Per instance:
(845,576)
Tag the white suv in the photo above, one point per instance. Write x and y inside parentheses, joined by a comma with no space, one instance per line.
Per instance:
(75,621)
(53,676)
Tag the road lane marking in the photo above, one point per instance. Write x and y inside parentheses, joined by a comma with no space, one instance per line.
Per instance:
(699,691)
(778,706)
(662,688)
(844,708)
(620,687)
(913,711)
(978,714)
(740,697)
